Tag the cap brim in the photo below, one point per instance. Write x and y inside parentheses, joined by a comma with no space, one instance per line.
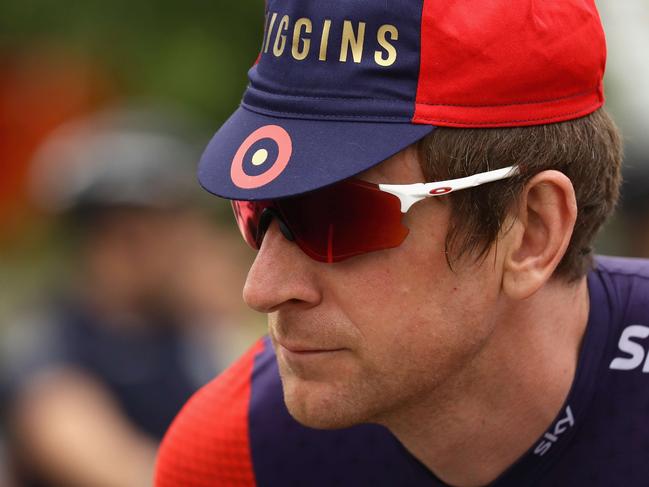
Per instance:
(256,157)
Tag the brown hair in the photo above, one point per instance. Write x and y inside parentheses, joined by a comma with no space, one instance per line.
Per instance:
(587,150)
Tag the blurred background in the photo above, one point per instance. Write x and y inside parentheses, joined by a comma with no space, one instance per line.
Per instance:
(120,280)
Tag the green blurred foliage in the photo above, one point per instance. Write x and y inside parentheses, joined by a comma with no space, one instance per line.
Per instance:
(193,52)
(192,55)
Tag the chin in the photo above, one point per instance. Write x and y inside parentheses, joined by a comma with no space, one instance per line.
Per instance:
(321,406)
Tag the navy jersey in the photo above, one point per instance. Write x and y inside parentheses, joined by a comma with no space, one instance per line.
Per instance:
(237,430)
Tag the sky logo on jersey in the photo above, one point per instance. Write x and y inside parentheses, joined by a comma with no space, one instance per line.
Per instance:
(551,437)
(635,351)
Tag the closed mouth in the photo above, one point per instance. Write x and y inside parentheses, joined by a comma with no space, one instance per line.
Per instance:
(305,350)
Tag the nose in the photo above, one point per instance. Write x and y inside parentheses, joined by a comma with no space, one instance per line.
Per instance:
(281,275)
(267,217)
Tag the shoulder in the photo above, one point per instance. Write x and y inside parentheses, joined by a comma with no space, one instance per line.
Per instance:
(207,444)
(237,431)
(620,297)
(612,379)
(623,266)
(625,283)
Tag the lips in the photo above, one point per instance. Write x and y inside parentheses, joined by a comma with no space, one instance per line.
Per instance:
(292,337)
(305,349)
(301,359)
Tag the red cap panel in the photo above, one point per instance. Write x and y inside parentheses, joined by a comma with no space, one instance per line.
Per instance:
(489,63)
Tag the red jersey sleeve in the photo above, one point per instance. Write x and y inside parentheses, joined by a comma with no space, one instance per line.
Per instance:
(208,444)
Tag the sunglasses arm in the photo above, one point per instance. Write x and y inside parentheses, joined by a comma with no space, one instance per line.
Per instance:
(409,194)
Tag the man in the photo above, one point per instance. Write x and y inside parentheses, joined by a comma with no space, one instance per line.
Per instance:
(419,337)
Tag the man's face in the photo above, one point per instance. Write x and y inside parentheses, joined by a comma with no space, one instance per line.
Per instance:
(366,339)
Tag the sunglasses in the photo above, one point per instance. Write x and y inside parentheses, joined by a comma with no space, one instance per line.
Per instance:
(348,218)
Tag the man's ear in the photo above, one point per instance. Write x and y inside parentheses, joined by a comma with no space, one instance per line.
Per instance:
(544,219)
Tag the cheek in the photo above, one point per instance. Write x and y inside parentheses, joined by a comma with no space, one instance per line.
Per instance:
(386,290)
(391,313)
(418,320)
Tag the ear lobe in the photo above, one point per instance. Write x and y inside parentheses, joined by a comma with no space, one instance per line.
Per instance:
(544,220)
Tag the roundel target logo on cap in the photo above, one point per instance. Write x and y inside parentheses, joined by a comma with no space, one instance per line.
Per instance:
(261,157)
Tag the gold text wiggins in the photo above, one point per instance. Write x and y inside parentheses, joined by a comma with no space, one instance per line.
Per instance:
(351,45)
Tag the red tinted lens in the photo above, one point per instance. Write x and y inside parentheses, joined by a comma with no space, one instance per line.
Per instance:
(347,219)
(248,214)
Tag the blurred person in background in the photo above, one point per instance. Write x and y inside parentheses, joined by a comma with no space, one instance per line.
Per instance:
(97,378)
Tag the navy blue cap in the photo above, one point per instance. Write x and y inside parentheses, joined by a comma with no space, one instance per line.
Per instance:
(332,94)
(340,86)
(255,156)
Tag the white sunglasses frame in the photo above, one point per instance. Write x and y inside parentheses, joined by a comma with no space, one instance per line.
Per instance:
(409,194)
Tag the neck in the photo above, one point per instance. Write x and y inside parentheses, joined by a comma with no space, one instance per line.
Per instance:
(495,408)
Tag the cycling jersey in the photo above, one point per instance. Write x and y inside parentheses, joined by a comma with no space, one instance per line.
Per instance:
(237,430)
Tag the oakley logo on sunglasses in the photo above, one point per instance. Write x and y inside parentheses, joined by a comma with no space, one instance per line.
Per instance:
(440,191)
(260,158)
